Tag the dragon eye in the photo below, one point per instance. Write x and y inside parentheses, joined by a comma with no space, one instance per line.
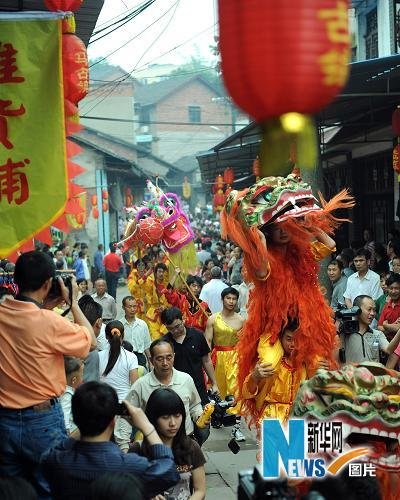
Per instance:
(260,200)
(392,408)
(171,211)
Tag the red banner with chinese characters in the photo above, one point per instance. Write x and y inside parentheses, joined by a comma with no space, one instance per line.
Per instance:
(33,160)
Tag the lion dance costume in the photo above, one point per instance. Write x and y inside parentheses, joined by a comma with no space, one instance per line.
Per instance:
(290,287)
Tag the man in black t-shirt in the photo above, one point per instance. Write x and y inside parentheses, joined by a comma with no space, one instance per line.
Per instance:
(192,352)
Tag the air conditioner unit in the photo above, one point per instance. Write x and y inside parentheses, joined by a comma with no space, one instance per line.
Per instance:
(144,129)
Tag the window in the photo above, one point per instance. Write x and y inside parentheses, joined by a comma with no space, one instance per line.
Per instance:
(371,35)
(194,114)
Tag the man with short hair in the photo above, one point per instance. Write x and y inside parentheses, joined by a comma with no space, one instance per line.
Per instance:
(163,374)
(59,260)
(211,292)
(98,262)
(366,344)
(363,281)
(389,320)
(222,332)
(105,300)
(338,281)
(33,343)
(73,465)
(204,253)
(112,265)
(136,331)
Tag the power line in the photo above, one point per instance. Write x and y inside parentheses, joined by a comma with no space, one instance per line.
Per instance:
(127,120)
(168,75)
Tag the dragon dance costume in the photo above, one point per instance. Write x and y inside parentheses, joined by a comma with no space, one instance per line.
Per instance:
(289,288)
(193,316)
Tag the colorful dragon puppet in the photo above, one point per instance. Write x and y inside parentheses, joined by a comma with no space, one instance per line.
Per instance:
(285,284)
(162,220)
(366,398)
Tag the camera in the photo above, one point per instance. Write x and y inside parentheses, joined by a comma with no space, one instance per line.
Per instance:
(348,320)
(55,289)
(122,410)
(220,417)
(253,486)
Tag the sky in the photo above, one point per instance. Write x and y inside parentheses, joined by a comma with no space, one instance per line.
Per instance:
(187,22)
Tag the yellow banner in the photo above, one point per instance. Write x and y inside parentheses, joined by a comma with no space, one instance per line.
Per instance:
(33,171)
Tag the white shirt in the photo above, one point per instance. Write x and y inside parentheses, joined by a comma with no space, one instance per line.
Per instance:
(65,401)
(102,342)
(367,285)
(211,293)
(137,333)
(118,377)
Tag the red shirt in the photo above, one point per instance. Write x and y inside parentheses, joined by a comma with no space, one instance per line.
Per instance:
(112,262)
(390,313)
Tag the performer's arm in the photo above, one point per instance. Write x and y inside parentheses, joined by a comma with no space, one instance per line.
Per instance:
(209,333)
(325,239)
(260,372)
(209,369)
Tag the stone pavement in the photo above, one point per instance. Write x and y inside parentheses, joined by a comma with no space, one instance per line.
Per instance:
(222,465)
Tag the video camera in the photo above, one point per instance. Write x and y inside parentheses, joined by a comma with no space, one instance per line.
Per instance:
(55,289)
(348,320)
(220,417)
(252,486)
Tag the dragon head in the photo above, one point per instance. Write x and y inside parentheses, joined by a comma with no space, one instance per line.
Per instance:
(366,398)
(272,199)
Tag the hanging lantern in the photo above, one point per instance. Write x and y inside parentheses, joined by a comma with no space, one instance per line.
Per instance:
(104,194)
(396,158)
(95,212)
(75,68)
(229,175)
(219,182)
(294,66)
(256,168)
(186,188)
(64,5)
(219,200)
(93,199)
(396,121)
(104,206)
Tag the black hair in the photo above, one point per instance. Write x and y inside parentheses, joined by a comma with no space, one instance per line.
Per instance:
(71,364)
(359,299)
(194,279)
(32,270)
(16,488)
(393,278)
(138,262)
(169,315)
(216,272)
(337,263)
(165,401)
(94,405)
(90,308)
(126,298)
(81,254)
(115,336)
(81,280)
(121,485)
(380,250)
(363,252)
(229,290)
(158,266)
(113,247)
(158,342)
(347,255)
(100,246)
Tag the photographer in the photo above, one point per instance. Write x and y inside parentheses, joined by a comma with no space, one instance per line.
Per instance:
(365,344)
(34,341)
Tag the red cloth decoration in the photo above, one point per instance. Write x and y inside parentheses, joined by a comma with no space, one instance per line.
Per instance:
(150,231)
(229,175)
(75,68)
(396,121)
(64,5)
(396,158)
(283,56)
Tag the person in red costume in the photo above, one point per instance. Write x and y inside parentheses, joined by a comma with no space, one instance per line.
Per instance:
(194,313)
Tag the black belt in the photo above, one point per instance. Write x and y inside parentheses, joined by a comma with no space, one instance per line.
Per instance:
(46,405)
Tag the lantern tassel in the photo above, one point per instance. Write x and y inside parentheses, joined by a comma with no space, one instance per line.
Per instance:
(280,136)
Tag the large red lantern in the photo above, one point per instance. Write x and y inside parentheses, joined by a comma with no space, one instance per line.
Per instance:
(75,68)
(281,57)
(229,175)
(64,5)
(219,182)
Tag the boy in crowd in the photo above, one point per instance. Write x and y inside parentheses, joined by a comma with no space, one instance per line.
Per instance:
(74,374)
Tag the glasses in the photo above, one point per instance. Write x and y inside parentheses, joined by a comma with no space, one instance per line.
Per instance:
(174,328)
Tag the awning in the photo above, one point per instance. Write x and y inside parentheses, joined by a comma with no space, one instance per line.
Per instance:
(366,103)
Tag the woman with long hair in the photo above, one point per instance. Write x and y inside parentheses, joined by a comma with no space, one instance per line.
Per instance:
(166,411)
(117,366)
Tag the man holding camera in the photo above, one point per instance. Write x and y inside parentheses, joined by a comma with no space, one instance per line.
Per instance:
(366,344)
(34,341)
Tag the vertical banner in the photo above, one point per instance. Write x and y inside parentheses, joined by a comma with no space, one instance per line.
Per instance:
(33,162)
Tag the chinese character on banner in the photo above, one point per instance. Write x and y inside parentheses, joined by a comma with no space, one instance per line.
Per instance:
(313,437)
(4,113)
(13,183)
(7,64)
(362,470)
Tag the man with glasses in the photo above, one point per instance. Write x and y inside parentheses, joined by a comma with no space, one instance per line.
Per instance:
(192,352)
(163,374)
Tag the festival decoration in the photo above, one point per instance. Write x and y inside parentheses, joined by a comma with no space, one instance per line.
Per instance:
(63,5)
(75,68)
(396,158)
(186,188)
(104,206)
(219,197)
(294,68)
(278,289)
(342,395)
(396,131)
(95,212)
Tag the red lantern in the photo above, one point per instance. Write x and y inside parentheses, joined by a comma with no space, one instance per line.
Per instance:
(396,158)
(104,206)
(219,182)
(256,167)
(396,121)
(150,231)
(93,199)
(64,5)
(104,194)
(297,64)
(75,68)
(79,219)
(229,175)
(95,212)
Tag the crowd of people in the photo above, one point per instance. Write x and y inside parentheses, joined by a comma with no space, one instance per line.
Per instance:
(90,401)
